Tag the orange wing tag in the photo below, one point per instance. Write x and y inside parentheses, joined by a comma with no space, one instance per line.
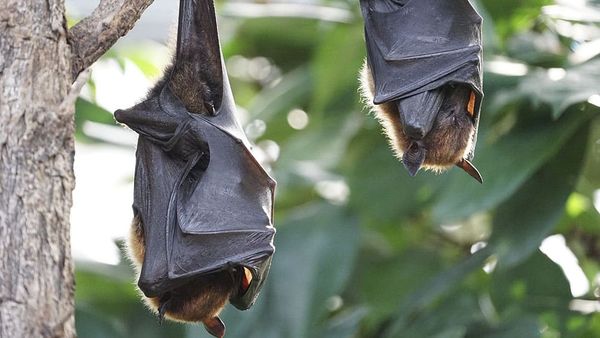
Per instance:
(247,279)
(471,104)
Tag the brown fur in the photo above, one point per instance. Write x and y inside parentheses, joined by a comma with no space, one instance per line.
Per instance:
(199,300)
(194,93)
(447,143)
(137,246)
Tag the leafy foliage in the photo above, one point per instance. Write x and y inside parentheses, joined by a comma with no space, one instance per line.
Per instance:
(363,250)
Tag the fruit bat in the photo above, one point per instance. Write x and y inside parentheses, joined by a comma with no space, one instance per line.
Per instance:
(203,205)
(422,78)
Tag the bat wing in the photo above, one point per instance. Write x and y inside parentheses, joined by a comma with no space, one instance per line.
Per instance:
(417,46)
(205,202)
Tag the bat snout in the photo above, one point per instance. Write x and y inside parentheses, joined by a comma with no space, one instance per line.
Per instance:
(413,158)
(414,132)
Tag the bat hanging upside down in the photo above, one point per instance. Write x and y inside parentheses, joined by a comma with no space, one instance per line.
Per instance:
(202,232)
(422,78)
(431,130)
(199,300)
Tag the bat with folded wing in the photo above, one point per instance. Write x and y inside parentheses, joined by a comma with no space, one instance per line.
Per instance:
(423,79)
(202,233)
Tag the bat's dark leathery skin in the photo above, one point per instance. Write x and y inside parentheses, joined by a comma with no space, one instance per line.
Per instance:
(199,300)
(203,205)
(422,78)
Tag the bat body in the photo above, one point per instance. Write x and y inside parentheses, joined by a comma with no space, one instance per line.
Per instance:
(202,233)
(422,78)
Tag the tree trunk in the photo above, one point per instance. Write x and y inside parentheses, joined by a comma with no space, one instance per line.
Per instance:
(36,171)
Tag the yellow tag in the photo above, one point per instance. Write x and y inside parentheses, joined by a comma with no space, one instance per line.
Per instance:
(247,280)
(471,104)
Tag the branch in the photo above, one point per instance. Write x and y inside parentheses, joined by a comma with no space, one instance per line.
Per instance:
(93,36)
(69,101)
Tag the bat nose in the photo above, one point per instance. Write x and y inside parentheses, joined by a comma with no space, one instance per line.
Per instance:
(414,157)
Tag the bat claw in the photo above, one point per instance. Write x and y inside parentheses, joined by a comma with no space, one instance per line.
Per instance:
(470,169)
(162,309)
(161,314)
(215,326)
(210,108)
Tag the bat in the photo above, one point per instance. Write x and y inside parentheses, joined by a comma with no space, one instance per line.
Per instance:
(202,233)
(422,78)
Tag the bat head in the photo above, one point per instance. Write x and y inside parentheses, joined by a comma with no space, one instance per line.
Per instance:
(200,299)
(432,130)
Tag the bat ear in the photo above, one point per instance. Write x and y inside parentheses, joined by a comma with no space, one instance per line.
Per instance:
(413,158)
(470,169)
(215,326)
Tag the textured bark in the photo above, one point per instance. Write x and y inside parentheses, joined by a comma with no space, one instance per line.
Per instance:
(94,35)
(36,156)
(36,171)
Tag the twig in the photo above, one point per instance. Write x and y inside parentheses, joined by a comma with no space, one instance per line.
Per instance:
(76,87)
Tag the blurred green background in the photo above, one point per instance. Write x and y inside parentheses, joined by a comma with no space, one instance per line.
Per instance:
(364,250)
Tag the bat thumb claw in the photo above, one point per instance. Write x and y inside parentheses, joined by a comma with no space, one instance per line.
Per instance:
(161,313)
(162,309)
(470,169)
(215,326)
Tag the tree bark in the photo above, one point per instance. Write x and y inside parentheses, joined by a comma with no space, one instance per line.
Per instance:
(91,37)
(36,171)
(36,154)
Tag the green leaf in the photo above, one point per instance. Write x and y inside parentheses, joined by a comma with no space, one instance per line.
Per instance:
(92,324)
(513,15)
(398,275)
(521,223)
(290,41)
(148,56)
(577,86)
(505,166)
(433,289)
(324,143)
(272,104)
(526,327)
(450,319)
(533,286)
(381,189)
(335,70)
(88,111)
(345,324)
